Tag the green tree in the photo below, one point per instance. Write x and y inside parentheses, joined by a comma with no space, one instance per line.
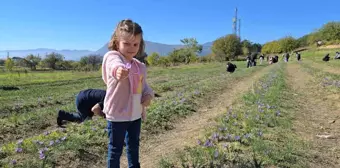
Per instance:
(9,64)
(330,31)
(84,61)
(227,47)
(246,46)
(271,47)
(288,44)
(52,59)
(256,47)
(191,50)
(32,61)
(94,60)
(314,37)
(2,62)
(153,59)
(164,61)
(175,57)
(65,65)
(192,44)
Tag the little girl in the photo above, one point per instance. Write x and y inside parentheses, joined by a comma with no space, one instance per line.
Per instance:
(127,92)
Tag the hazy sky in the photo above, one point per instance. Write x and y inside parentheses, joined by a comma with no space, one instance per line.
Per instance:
(88,24)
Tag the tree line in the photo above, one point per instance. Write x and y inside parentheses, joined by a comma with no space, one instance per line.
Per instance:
(225,48)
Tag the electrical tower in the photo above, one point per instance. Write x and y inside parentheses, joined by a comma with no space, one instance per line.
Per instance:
(235,23)
(239,29)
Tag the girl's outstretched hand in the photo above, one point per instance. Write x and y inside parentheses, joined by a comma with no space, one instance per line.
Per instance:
(122,73)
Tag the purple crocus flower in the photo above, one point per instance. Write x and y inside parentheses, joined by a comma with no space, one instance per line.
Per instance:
(63,138)
(215,136)
(228,137)
(208,143)
(237,138)
(216,153)
(128,65)
(18,150)
(51,143)
(277,113)
(13,162)
(247,136)
(41,156)
(19,141)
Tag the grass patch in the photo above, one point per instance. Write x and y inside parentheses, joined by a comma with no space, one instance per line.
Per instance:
(326,80)
(316,55)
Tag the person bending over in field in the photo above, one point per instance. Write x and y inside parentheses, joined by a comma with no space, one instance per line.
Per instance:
(337,55)
(231,67)
(261,58)
(89,102)
(326,57)
(253,58)
(298,56)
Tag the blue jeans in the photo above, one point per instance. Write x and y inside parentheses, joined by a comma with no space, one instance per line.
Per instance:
(117,131)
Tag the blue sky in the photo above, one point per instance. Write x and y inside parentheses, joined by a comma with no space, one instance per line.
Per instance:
(88,24)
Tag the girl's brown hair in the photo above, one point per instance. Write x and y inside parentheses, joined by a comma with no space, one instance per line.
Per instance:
(130,27)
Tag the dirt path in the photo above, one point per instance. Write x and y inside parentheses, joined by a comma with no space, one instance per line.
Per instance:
(330,46)
(317,117)
(188,130)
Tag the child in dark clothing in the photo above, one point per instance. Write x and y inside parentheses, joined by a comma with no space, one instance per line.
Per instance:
(88,103)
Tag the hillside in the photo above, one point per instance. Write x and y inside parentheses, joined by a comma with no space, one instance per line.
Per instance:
(162,49)
(150,47)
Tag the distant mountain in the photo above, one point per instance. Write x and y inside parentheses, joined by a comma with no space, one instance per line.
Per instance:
(150,47)
(68,54)
(162,49)
(206,48)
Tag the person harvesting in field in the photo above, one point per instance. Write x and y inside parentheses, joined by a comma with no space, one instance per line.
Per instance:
(231,67)
(89,102)
(298,56)
(127,92)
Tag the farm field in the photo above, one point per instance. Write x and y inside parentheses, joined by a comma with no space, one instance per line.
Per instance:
(280,115)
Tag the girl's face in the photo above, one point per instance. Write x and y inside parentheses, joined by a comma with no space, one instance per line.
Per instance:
(129,45)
